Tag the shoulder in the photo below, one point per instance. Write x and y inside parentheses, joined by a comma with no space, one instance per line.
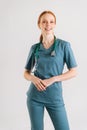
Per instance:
(34,46)
(62,43)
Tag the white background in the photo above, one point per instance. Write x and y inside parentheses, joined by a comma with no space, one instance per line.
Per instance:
(18,31)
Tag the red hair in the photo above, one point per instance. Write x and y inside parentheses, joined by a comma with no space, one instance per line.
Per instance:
(39,18)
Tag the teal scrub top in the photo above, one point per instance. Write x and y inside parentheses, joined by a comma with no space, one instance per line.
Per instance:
(47,66)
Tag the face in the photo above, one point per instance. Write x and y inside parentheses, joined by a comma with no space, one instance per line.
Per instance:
(47,24)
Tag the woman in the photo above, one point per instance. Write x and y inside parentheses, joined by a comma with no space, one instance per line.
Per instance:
(48,58)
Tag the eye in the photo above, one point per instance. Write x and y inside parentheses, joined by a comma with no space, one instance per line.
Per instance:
(43,21)
(51,21)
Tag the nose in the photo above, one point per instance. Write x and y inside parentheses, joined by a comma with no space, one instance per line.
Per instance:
(47,23)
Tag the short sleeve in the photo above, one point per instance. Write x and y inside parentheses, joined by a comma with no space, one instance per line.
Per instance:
(69,56)
(30,59)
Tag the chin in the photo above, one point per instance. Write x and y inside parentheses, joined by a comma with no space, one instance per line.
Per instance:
(49,32)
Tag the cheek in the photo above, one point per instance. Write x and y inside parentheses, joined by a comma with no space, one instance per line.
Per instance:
(41,26)
(54,25)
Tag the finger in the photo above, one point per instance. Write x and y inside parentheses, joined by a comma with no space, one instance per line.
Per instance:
(41,87)
(42,83)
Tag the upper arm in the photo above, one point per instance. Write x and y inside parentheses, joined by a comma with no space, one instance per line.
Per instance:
(69,57)
(30,60)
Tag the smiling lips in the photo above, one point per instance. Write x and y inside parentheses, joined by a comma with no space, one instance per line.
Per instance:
(48,29)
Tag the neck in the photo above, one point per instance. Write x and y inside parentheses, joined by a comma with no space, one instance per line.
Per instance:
(48,40)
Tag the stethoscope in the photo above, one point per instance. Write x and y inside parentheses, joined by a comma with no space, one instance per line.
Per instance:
(53,52)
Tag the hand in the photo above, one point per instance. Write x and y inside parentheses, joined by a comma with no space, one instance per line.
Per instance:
(48,82)
(38,83)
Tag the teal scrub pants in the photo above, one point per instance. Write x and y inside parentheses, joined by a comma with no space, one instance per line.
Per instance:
(56,113)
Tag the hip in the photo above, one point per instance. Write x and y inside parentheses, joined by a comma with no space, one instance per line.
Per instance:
(53,93)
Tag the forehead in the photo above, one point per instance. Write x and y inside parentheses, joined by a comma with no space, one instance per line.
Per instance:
(47,16)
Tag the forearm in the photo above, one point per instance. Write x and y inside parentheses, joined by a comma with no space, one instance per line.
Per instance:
(28,76)
(65,76)
(35,80)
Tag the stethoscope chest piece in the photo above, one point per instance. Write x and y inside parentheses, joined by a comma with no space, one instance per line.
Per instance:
(53,53)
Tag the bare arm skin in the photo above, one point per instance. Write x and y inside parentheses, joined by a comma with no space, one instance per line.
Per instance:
(65,76)
(43,84)
(35,80)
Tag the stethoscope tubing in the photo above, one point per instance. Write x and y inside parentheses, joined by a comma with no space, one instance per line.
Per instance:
(53,52)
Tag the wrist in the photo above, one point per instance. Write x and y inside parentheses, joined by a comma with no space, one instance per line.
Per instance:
(32,78)
(56,78)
